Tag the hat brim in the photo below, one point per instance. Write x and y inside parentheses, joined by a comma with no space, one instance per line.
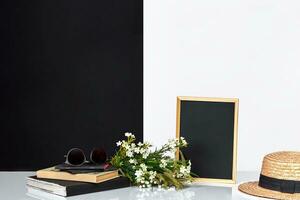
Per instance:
(252,188)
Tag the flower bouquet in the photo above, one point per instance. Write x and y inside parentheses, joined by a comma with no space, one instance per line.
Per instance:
(146,168)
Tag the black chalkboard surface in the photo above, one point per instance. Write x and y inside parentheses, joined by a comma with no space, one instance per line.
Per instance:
(210,127)
(71,75)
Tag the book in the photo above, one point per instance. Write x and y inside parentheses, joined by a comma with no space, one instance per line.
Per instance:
(50,187)
(91,177)
(43,195)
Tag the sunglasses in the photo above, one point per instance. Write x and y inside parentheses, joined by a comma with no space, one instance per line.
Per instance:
(76,157)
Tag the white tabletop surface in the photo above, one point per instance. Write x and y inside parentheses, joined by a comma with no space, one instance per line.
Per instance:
(12,186)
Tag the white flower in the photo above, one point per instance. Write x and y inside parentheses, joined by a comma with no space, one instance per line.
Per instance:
(140,144)
(163,163)
(145,155)
(140,179)
(132,161)
(132,145)
(183,141)
(139,173)
(119,143)
(172,144)
(188,168)
(125,145)
(152,172)
(127,134)
(129,154)
(137,150)
(142,150)
(152,175)
(184,171)
(143,166)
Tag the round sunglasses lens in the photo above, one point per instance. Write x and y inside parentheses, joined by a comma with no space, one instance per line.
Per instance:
(98,156)
(76,157)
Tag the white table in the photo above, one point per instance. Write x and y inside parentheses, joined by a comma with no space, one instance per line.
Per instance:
(12,187)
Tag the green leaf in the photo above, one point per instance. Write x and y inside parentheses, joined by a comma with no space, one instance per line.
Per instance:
(181,156)
(194,175)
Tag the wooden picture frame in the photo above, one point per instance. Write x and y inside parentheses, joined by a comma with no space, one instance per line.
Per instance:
(219,108)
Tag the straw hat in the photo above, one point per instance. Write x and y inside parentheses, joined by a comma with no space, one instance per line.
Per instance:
(279,177)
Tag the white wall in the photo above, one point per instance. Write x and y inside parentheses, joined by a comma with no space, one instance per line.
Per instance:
(248,49)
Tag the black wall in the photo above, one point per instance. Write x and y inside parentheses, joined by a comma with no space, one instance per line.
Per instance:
(71,75)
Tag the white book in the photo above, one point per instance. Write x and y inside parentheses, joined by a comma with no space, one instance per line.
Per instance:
(43,195)
(45,186)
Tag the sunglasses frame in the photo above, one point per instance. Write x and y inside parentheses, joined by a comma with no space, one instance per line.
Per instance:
(85,160)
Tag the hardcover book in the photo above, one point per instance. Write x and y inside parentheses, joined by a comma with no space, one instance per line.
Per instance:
(92,177)
(70,188)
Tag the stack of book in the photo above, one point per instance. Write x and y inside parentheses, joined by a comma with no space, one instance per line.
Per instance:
(62,181)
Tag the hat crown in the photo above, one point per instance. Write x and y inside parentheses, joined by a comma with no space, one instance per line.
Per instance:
(282,165)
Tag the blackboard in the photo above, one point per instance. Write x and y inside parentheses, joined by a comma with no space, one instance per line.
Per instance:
(71,75)
(210,127)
